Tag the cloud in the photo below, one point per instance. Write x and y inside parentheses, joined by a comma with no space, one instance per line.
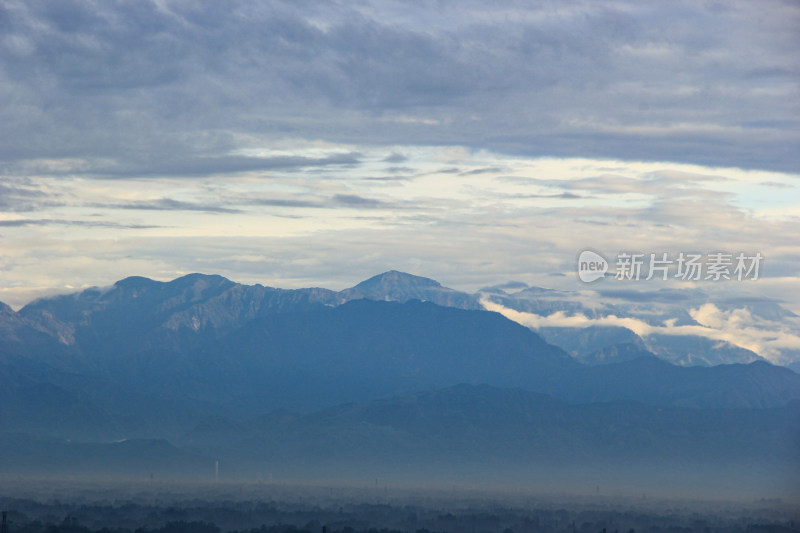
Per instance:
(167,204)
(396,170)
(336,201)
(395,157)
(283,202)
(19,198)
(561,196)
(388,179)
(486,170)
(223,165)
(737,326)
(353,200)
(778,185)
(18,223)
(656,184)
(152,86)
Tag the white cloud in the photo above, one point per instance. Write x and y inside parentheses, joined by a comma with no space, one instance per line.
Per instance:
(737,327)
(492,218)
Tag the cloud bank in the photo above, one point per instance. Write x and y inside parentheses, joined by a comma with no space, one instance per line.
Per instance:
(169,87)
(737,327)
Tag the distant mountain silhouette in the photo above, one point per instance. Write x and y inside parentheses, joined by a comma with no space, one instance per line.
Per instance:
(474,421)
(216,305)
(488,432)
(134,458)
(146,358)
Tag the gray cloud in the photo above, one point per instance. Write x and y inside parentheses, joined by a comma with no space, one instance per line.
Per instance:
(222,165)
(15,198)
(283,202)
(395,157)
(167,204)
(400,169)
(236,204)
(561,196)
(152,86)
(353,200)
(777,185)
(659,184)
(485,170)
(228,164)
(63,222)
(334,202)
(394,178)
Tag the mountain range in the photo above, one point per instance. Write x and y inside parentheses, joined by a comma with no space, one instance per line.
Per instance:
(396,370)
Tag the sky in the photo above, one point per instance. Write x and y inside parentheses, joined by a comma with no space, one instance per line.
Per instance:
(298,144)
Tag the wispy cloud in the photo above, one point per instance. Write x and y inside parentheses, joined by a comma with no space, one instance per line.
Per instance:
(354,200)
(18,223)
(17,197)
(167,204)
(395,157)
(219,166)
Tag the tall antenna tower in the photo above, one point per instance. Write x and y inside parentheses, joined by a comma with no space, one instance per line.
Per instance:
(3,527)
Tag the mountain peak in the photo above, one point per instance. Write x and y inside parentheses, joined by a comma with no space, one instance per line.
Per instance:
(190,280)
(136,282)
(5,309)
(401,287)
(394,278)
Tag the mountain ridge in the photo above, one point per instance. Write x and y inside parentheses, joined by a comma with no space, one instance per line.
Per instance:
(591,345)
(195,338)
(512,433)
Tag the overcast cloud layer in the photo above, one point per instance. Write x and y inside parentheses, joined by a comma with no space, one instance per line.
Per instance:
(297,144)
(176,88)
